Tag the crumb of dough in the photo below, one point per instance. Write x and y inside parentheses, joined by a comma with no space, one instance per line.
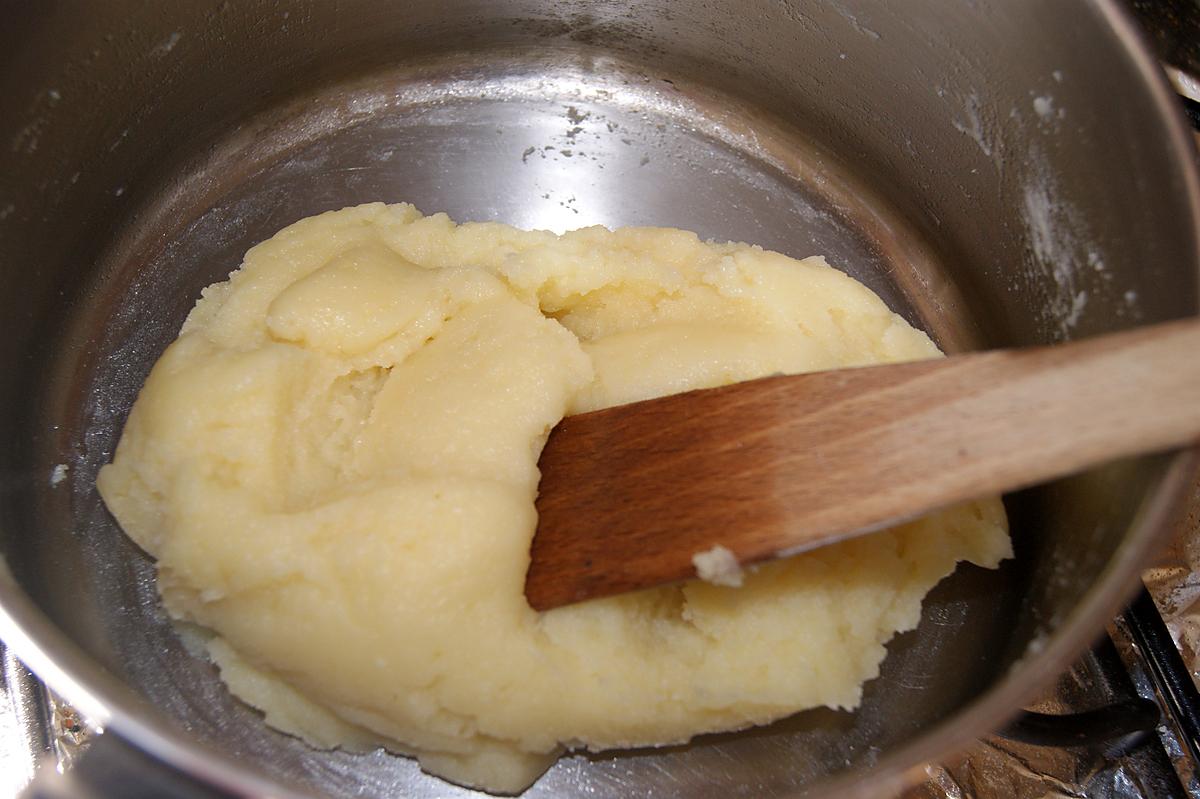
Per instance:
(58,473)
(335,467)
(719,567)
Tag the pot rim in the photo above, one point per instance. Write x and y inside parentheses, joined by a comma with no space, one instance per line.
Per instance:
(114,706)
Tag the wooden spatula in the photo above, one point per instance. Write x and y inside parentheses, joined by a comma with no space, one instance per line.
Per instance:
(780,465)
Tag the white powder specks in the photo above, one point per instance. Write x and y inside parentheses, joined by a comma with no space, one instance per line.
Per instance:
(1039,217)
(59,473)
(858,26)
(718,566)
(1052,228)
(26,140)
(973,125)
(167,46)
(1078,303)
(1046,109)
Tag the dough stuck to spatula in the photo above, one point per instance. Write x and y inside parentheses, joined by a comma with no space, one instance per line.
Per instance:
(335,467)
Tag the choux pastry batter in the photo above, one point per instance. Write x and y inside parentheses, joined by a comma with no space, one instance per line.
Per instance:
(335,467)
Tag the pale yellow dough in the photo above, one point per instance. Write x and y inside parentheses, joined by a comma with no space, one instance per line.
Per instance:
(335,466)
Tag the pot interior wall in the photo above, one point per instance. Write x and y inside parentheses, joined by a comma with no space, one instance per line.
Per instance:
(994,171)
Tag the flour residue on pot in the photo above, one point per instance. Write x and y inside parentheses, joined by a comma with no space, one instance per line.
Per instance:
(1064,263)
(1052,229)
(1044,106)
(973,123)
(856,24)
(166,46)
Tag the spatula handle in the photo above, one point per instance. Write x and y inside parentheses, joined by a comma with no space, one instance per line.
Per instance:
(979,424)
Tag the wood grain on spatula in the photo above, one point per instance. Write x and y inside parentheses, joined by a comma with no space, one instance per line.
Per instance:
(783,464)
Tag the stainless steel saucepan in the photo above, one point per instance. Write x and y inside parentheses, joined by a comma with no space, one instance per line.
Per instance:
(1002,172)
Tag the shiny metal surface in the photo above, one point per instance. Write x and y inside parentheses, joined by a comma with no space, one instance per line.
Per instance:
(24,724)
(999,173)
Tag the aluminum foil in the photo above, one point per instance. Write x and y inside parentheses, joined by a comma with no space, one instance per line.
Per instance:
(1175,584)
(1149,766)
(1137,767)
